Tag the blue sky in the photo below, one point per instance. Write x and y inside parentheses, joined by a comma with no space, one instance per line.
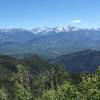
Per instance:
(50,13)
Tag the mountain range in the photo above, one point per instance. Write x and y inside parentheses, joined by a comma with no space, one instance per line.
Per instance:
(46,42)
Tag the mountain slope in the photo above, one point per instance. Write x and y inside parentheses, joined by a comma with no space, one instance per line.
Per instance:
(34,64)
(84,61)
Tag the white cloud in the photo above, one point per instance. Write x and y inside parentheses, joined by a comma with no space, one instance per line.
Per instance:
(75,21)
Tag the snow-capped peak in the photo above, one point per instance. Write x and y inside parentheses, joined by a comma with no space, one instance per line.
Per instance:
(65,29)
(56,29)
(39,30)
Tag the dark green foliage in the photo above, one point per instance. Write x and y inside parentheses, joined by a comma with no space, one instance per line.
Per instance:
(46,82)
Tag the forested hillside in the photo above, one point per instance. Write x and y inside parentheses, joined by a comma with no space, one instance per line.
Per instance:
(35,79)
(81,61)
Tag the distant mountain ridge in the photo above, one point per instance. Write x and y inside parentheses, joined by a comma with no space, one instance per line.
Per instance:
(55,29)
(83,61)
(48,42)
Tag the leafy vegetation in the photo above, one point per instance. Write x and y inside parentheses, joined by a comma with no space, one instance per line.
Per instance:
(34,79)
